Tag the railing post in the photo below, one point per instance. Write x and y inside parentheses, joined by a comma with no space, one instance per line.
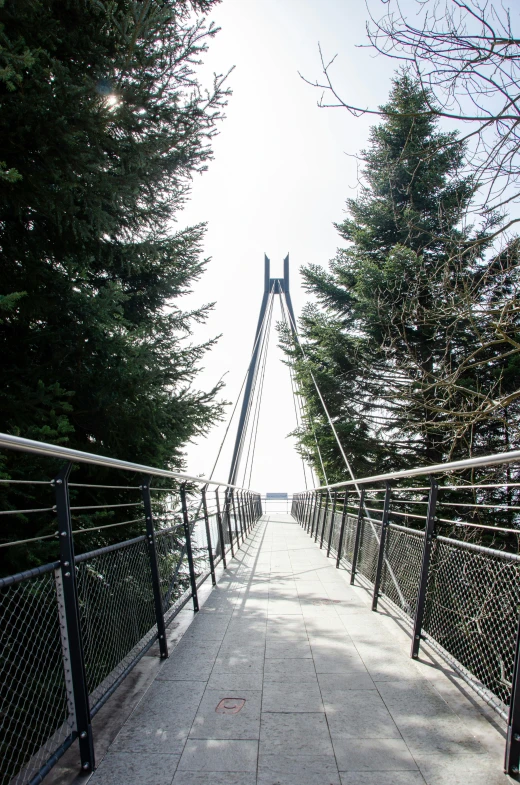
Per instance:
(72,618)
(235,517)
(208,537)
(382,541)
(342,530)
(245,512)
(324,519)
(333,513)
(154,567)
(310,511)
(429,534)
(314,512)
(318,517)
(512,757)
(241,515)
(220,529)
(189,551)
(357,539)
(227,516)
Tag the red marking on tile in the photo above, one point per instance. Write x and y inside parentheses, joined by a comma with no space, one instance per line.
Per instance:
(230,705)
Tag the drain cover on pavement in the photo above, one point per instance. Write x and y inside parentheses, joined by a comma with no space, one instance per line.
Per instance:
(230,705)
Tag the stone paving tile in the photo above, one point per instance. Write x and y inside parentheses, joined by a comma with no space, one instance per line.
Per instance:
(286,647)
(143,769)
(359,714)
(343,682)
(290,670)
(280,697)
(215,778)
(280,733)
(439,735)
(461,770)
(373,755)
(297,769)
(381,778)
(227,755)
(210,724)
(162,721)
(230,682)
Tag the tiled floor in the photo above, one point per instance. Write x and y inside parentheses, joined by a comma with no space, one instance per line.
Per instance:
(331,697)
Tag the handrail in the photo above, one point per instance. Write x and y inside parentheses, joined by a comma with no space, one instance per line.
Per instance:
(438,468)
(68,454)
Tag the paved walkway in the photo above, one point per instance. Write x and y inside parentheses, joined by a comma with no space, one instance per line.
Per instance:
(328,693)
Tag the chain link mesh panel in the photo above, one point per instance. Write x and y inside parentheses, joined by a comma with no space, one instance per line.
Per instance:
(116,612)
(33,695)
(368,548)
(402,567)
(472,610)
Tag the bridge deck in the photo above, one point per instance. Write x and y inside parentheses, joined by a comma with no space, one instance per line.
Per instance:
(331,696)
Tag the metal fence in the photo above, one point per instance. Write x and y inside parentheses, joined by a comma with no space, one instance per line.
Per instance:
(425,550)
(72,629)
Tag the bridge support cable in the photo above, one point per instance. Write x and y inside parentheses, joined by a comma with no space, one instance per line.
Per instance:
(379,539)
(257,339)
(258,388)
(310,422)
(253,393)
(297,414)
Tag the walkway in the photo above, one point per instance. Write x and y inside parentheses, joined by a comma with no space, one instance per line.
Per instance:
(328,693)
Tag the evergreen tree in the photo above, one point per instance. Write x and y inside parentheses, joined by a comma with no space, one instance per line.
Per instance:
(102,125)
(404,306)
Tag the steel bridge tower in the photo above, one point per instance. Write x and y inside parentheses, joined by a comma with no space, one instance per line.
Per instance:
(276,286)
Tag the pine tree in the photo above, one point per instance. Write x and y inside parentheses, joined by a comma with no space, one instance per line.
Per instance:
(404,306)
(102,125)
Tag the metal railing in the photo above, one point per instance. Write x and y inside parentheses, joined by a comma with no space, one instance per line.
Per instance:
(445,556)
(72,629)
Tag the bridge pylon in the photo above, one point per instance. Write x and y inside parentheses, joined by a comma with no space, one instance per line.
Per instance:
(272,286)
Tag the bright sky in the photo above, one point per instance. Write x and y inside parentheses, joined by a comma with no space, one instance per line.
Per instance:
(280,177)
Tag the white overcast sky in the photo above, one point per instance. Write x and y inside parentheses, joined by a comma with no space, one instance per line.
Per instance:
(280,176)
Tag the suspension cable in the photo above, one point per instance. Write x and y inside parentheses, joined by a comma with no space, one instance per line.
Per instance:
(309,418)
(247,414)
(256,414)
(253,393)
(342,451)
(291,376)
(271,297)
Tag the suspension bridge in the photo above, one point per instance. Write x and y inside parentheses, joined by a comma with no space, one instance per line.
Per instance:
(348,642)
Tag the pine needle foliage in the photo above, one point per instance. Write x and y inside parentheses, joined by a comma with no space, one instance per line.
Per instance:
(103,123)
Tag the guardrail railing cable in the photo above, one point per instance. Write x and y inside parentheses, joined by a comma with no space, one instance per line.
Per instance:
(460,597)
(74,628)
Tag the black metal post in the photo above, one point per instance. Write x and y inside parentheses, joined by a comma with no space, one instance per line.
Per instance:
(357,539)
(332,520)
(208,537)
(220,530)
(429,535)
(189,552)
(512,757)
(154,567)
(382,541)
(245,507)
(318,517)
(324,519)
(78,673)
(314,512)
(241,515)
(235,517)
(342,530)
(227,516)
